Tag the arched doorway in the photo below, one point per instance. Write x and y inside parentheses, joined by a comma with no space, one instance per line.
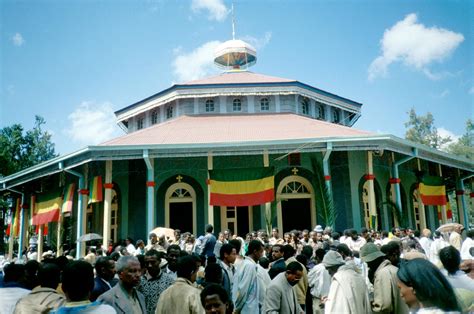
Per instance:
(295,204)
(180,207)
(365,205)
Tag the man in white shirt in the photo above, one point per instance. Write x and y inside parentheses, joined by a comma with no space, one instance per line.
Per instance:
(425,241)
(355,242)
(455,237)
(129,245)
(468,246)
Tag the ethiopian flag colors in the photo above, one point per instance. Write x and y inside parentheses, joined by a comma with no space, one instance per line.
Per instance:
(68,198)
(241,187)
(432,190)
(47,208)
(95,190)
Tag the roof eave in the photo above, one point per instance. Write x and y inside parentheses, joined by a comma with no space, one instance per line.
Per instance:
(121,152)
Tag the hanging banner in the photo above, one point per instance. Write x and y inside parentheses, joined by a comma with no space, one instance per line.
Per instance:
(47,208)
(95,190)
(241,187)
(68,198)
(432,190)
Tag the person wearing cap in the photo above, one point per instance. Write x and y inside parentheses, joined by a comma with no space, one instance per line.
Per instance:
(348,292)
(383,275)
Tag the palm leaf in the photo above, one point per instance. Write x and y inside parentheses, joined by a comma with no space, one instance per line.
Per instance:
(397,212)
(324,200)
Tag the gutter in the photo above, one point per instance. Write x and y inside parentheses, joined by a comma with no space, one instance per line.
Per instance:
(396,177)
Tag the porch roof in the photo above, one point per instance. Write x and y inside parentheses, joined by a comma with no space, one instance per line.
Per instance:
(233,128)
(194,136)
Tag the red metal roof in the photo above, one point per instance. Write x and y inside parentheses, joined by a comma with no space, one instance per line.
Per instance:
(209,129)
(238,77)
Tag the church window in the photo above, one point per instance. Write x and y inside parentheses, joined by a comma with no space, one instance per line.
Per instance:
(154,117)
(305,106)
(336,116)
(169,112)
(139,123)
(237,105)
(321,113)
(264,104)
(209,105)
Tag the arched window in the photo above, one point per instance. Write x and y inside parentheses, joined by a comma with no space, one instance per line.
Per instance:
(336,116)
(264,104)
(321,111)
(169,112)
(305,106)
(209,105)
(237,105)
(154,117)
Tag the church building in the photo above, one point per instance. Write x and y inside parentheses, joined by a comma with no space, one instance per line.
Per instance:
(180,145)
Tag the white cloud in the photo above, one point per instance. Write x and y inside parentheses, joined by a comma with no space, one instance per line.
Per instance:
(18,40)
(445,93)
(195,64)
(258,43)
(471,90)
(445,133)
(92,123)
(216,8)
(415,45)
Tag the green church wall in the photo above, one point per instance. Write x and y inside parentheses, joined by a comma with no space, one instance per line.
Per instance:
(137,200)
(120,178)
(341,188)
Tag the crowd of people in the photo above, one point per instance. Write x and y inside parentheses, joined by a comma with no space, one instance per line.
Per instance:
(317,271)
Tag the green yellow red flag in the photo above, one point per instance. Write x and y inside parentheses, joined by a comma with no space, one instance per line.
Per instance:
(47,208)
(95,190)
(432,190)
(16,220)
(68,198)
(241,187)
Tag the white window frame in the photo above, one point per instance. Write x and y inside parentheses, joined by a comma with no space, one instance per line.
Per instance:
(237,105)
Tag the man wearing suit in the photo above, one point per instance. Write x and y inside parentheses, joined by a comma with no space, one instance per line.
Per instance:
(281,298)
(124,297)
(105,272)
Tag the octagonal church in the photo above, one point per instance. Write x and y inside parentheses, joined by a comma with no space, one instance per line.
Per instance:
(242,151)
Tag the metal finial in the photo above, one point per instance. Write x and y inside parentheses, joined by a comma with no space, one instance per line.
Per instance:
(233,22)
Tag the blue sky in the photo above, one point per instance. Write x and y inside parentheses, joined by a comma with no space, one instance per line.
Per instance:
(75,62)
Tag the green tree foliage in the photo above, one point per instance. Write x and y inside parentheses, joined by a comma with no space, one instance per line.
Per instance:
(20,150)
(421,129)
(465,145)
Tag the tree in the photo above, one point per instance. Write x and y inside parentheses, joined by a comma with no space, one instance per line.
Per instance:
(421,129)
(19,151)
(465,145)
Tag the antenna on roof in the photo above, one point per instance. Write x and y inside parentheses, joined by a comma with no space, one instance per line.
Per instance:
(233,22)
(234,55)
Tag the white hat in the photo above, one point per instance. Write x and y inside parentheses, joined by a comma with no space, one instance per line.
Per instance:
(318,228)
